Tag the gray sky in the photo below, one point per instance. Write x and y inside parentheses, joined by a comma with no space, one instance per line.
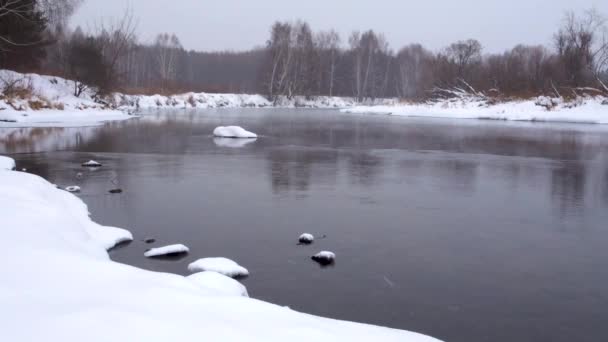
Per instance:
(242,24)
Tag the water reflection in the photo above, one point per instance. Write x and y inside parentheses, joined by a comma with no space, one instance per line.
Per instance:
(476,218)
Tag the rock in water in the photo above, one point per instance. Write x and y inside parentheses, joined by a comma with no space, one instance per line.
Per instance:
(233,132)
(91,163)
(324,258)
(306,239)
(171,250)
(149,240)
(223,266)
(116,191)
(73,188)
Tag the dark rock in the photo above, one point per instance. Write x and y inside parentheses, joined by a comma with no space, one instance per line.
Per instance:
(149,240)
(116,191)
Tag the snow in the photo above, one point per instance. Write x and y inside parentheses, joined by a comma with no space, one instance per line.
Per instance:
(223,266)
(7,163)
(51,104)
(91,163)
(306,238)
(73,188)
(324,258)
(219,283)
(233,132)
(232,143)
(588,110)
(64,287)
(167,250)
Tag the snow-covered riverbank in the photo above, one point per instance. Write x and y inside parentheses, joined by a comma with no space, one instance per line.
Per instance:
(58,284)
(591,110)
(49,101)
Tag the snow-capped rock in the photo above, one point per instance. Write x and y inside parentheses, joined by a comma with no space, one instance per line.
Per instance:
(91,163)
(219,283)
(306,239)
(223,266)
(166,251)
(233,143)
(73,188)
(233,132)
(324,258)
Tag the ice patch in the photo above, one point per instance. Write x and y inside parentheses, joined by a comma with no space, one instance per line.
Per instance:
(219,283)
(233,132)
(7,163)
(167,251)
(223,266)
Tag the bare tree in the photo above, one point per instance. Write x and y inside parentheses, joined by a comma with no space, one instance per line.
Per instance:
(167,47)
(464,54)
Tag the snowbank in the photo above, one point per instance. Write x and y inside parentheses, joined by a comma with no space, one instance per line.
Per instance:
(167,250)
(219,283)
(48,101)
(585,110)
(223,266)
(64,287)
(233,132)
(7,163)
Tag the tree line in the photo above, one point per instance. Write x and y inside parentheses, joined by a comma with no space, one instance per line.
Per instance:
(297,61)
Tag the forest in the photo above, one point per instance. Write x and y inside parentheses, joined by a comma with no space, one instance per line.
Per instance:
(35,36)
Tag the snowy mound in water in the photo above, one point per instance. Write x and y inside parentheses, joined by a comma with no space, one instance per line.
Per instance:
(7,163)
(219,283)
(81,295)
(167,251)
(233,132)
(306,238)
(73,188)
(324,258)
(223,266)
(91,163)
(233,143)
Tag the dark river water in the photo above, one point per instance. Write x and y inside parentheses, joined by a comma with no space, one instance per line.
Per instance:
(463,230)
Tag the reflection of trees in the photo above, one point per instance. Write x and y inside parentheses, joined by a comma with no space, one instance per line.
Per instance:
(455,174)
(293,169)
(568,187)
(364,168)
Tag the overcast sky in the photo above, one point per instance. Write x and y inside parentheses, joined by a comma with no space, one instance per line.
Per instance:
(243,24)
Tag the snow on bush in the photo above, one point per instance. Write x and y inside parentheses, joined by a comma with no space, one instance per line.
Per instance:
(166,251)
(64,287)
(221,284)
(233,132)
(223,266)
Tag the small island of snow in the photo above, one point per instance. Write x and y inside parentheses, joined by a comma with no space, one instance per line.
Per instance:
(233,132)
(167,251)
(219,283)
(223,266)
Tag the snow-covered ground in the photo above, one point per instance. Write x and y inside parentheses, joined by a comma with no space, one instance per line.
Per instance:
(59,284)
(592,110)
(6,163)
(47,101)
